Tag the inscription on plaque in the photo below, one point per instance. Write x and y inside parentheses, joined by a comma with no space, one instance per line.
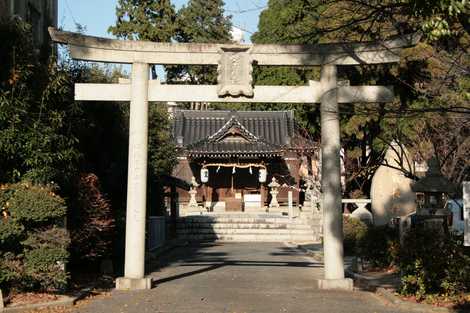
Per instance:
(234,72)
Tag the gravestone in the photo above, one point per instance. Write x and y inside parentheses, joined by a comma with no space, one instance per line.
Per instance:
(391,192)
(466,212)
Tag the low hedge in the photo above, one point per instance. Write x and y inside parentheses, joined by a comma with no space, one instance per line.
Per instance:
(33,243)
(354,231)
(433,263)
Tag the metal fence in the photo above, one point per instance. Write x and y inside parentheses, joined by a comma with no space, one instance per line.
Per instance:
(156,232)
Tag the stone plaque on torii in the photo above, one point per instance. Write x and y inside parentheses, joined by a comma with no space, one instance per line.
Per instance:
(234,85)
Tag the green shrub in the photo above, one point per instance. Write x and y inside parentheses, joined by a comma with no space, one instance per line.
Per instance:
(353,231)
(379,246)
(45,268)
(10,234)
(32,246)
(433,263)
(27,203)
(54,237)
(11,271)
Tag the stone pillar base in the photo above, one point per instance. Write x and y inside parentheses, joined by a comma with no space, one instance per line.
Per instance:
(1,301)
(124,283)
(336,284)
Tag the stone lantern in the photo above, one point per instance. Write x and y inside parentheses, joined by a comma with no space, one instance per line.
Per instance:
(274,185)
(192,193)
(432,191)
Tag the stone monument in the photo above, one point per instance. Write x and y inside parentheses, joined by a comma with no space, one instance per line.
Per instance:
(313,193)
(391,192)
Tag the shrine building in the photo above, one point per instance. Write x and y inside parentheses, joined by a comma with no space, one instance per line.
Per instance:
(232,158)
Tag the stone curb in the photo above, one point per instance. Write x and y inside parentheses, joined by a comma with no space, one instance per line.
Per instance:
(316,255)
(365,282)
(66,301)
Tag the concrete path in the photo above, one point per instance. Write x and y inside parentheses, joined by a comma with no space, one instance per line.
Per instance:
(238,278)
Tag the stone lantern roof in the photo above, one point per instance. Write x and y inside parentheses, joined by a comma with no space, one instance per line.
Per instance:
(433,181)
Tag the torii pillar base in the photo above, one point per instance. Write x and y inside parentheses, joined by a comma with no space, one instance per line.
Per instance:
(336,284)
(124,283)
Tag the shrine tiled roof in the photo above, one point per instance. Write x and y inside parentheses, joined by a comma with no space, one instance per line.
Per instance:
(233,133)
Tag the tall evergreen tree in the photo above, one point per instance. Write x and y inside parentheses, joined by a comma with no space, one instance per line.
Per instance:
(201,21)
(286,22)
(152,20)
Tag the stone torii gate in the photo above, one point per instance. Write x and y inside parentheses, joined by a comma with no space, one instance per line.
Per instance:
(234,85)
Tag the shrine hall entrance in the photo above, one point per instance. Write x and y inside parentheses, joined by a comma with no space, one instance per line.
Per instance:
(233,190)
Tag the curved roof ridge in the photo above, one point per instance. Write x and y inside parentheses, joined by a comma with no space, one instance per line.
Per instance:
(231,111)
(230,123)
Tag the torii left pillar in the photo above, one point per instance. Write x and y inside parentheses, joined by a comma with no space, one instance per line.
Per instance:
(134,266)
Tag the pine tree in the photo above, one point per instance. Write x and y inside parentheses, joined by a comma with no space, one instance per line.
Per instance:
(201,21)
(152,20)
(286,22)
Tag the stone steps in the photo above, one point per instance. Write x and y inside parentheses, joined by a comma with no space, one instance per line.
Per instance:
(244,226)
(249,238)
(248,227)
(246,220)
(245,231)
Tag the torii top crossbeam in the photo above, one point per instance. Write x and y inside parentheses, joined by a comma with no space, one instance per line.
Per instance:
(98,49)
(232,87)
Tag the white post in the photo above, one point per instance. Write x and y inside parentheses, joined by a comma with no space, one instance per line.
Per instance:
(290,203)
(331,184)
(466,212)
(134,267)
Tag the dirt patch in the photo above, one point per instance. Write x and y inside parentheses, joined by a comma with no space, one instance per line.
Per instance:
(30,298)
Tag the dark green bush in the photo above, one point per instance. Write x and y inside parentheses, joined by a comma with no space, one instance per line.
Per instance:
(45,268)
(433,263)
(10,234)
(11,270)
(32,245)
(353,230)
(379,246)
(53,237)
(26,202)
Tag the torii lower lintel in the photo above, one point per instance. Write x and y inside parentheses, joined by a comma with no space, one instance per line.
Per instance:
(208,93)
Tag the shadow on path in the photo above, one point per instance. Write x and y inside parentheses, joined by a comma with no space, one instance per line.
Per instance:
(202,257)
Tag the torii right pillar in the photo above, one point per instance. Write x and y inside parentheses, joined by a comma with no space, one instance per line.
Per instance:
(331,184)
